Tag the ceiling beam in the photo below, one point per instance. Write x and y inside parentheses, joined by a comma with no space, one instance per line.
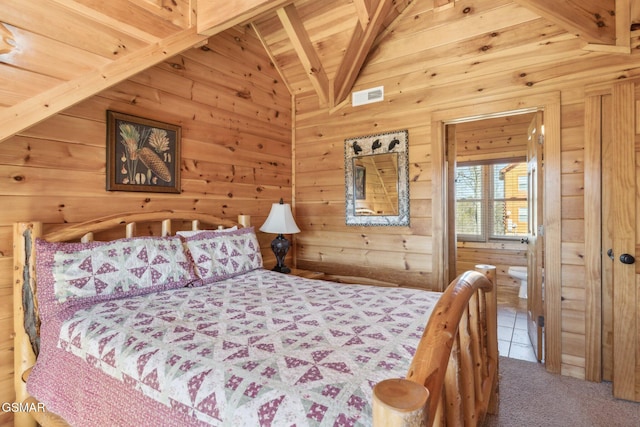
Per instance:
(594,21)
(623,31)
(25,114)
(363,10)
(357,51)
(306,53)
(215,16)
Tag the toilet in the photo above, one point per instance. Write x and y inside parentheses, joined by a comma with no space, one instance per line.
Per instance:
(520,273)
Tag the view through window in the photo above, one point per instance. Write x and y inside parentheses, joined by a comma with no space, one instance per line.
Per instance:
(491,201)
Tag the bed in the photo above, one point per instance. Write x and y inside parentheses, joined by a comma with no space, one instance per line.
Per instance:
(170,318)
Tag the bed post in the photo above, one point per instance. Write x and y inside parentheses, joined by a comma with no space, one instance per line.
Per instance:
(456,361)
(400,402)
(24,235)
(491,300)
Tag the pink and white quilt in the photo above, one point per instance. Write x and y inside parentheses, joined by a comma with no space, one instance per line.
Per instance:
(259,349)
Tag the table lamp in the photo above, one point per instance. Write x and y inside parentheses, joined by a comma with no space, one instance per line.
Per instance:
(280,221)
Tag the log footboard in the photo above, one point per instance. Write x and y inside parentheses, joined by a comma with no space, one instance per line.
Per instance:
(456,362)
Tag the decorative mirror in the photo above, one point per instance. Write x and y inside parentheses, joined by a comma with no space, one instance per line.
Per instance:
(377,179)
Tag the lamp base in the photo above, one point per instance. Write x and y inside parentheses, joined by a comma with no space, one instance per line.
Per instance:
(283,269)
(280,247)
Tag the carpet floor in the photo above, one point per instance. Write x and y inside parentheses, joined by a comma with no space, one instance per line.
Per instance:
(530,396)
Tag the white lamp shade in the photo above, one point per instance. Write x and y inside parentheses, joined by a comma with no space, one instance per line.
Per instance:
(280,220)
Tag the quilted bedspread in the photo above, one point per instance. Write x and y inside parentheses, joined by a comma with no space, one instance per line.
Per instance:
(260,349)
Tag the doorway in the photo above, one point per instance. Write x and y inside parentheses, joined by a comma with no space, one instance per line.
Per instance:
(496,180)
(444,242)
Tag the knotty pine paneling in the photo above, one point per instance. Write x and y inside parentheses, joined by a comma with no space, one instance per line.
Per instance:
(235,115)
(431,60)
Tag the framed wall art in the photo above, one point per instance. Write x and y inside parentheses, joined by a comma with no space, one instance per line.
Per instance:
(142,154)
(377,179)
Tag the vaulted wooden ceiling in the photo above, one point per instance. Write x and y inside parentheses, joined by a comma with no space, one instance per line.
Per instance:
(55,53)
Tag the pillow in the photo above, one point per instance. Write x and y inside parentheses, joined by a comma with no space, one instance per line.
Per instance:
(71,273)
(218,256)
(190,233)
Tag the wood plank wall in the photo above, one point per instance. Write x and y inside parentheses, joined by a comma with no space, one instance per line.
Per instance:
(236,119)
(473,52)
(235,115)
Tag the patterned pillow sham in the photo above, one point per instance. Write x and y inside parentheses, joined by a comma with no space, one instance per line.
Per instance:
(218,256)
(70,273)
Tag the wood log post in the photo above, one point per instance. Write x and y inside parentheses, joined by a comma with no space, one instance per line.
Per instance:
(491,304)
(398,402)
(166,228)
(130,230)
(24,235)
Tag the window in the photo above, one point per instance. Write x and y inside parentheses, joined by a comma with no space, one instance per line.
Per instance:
(491,201)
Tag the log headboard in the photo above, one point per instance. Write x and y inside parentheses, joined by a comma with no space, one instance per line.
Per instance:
(26,319)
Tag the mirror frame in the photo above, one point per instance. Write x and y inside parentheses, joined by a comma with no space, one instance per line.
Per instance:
(389,142)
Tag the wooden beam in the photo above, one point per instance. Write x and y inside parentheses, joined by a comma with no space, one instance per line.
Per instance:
(357,51)
(215,16)
(272,57)
(593,20)
(363,10)
(301,42)
(109,21)
(623,31)
(46,104)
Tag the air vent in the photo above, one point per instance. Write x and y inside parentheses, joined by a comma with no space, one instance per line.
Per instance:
(367,96)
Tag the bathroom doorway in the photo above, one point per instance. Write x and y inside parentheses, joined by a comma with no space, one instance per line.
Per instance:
(495,180)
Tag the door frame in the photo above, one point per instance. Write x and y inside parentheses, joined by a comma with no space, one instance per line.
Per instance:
(549,103)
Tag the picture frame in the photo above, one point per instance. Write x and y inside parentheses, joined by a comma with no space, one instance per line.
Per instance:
(142,154)
(376,173)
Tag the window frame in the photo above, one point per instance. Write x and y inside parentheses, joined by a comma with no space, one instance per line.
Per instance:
(487,202)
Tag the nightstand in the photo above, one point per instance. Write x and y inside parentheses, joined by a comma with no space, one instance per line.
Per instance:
(307,273)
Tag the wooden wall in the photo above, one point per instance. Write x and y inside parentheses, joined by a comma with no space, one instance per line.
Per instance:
(236,118)
(235,115)
(475,52)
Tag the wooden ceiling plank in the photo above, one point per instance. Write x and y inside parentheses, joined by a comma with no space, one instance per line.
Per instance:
(53,20)
(443,4)
(120,18)
(46,104)
(7,42)
(215,16)
(304,48)
(175,11)
(357,52)
(592,20)
(50,57)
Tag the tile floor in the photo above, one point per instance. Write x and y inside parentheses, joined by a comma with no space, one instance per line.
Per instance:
(513,339)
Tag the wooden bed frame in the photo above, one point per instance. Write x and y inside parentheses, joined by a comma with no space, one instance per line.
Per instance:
(453,378)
